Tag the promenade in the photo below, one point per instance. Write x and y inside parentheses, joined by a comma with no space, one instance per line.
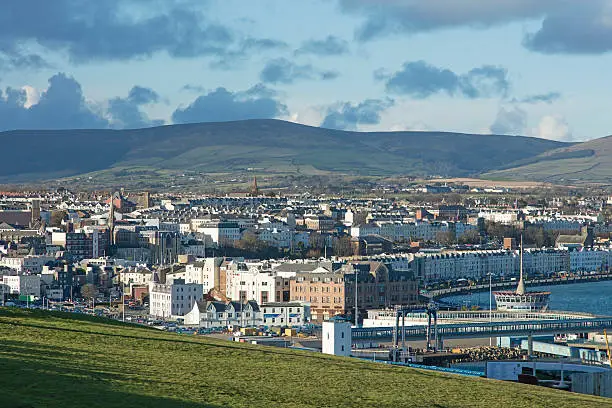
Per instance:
(436,294)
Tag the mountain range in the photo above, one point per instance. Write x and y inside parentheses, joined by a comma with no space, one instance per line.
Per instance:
(278,147)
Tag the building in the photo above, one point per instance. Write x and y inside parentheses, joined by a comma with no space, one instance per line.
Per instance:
(333,293)
(283,314)
(22,284)
(319,222)
(337,338)
(576,241)
(260,281)
(206,273)
(29,263)
(214,314)
(371,245)
(220,233)
(173,299)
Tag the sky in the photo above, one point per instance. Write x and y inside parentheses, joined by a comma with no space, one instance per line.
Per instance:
(518,67)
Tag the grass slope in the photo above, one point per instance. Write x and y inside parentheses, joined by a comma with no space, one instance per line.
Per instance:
(271,145)
(61,360)
(587,162)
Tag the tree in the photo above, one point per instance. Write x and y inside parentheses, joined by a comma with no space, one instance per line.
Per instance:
(342,246)
(89,291)
(57,217)
(470,237)
(445,237)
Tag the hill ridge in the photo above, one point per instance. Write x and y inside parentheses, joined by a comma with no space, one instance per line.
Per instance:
(278,147)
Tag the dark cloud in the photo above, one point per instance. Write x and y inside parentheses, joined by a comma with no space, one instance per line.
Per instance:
(222,105)
(141,96)
(421,80)
(575,27)
(584,28)
(511,121)
(413,16)
(125,113)
(234,58)
(12,58)
(61,106)
(193,88)
(549,97)
(329,46)
(113,29)
(283,71)
(346,116)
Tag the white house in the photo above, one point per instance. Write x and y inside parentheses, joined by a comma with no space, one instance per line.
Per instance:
(173,299)
(220,314)
(285,314)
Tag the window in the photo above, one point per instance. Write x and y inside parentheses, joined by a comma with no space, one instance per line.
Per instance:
(342,348)
(342,335)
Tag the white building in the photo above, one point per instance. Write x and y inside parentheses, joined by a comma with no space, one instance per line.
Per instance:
(135,276)
(174,299)
(224,315)
(29,263)
(285,314)
(464,265)
(221,233)
(337,338)
(205,273)
(251,283)
(501,217)
(588,260)
(22,284)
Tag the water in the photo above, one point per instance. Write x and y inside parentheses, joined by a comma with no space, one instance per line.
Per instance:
(590,297)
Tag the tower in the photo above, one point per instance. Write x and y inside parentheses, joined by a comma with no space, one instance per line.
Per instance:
(254,188)
(111,221)
(146,199)
(35,211)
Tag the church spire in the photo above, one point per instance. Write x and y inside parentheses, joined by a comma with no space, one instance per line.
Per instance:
(111,220)
(520,289)
(254,188)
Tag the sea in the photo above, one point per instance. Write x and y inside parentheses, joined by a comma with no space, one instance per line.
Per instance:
(590,297)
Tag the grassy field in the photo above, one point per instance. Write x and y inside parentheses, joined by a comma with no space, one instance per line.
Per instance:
(53,360)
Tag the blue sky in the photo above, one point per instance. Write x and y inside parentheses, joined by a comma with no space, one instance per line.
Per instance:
(538,68)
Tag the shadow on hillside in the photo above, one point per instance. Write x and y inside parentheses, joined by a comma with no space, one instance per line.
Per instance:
(31,381)
(178,339)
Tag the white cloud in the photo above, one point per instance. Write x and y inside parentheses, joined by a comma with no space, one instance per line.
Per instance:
(32,96)
(553,127)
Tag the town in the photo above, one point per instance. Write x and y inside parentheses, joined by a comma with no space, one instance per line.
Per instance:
(255,264)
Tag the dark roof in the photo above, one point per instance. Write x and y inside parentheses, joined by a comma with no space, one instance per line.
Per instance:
(16,218)
(571,239)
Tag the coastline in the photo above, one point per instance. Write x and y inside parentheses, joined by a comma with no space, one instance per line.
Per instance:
(440,293)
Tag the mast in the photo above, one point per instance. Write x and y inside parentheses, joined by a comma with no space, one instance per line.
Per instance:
(520,290)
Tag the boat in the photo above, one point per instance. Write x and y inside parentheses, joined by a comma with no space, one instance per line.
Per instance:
(521,299)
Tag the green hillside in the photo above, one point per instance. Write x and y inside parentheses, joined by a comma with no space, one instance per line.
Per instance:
(60,360)
(270,146)
(588,162)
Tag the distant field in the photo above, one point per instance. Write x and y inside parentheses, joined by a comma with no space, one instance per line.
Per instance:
(472,182)
(53,360)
